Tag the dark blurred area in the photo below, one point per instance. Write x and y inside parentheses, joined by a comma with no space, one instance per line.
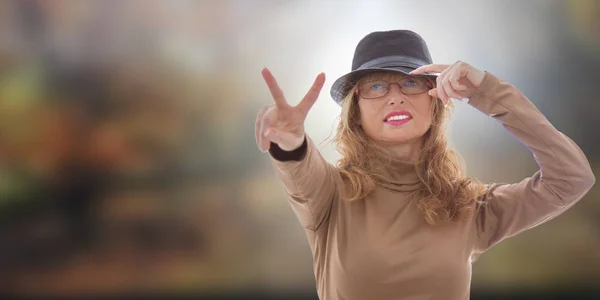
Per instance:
(127,157)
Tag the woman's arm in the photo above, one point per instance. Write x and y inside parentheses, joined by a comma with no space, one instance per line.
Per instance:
(565,175)
(310,182)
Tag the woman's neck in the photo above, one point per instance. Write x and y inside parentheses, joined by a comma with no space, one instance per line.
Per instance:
(396,166)
(407,151)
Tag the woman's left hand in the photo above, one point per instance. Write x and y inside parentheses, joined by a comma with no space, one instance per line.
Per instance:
(459,80)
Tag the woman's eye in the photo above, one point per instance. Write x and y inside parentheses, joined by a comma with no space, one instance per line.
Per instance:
(376,86)
(410,83)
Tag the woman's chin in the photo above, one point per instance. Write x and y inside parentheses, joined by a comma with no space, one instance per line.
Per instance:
(397,139)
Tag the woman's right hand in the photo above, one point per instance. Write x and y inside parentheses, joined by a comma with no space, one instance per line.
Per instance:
(280,122)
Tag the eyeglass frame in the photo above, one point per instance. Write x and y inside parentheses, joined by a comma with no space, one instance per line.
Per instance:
(428,83)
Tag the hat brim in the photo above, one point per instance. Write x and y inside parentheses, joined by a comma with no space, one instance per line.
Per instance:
(343,85)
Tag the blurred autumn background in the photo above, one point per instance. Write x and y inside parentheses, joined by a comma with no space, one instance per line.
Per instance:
(127,155)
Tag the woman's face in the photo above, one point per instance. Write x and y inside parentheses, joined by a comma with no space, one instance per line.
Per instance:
(412,112)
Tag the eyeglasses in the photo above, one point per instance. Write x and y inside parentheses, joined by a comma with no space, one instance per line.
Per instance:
(408,86)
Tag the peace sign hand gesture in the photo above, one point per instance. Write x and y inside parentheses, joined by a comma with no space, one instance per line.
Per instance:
(458,81)
(282,123)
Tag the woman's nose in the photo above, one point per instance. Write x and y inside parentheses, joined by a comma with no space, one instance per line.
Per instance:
(395,95)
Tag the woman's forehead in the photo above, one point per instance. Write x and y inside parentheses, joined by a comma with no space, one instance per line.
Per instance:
(382,76)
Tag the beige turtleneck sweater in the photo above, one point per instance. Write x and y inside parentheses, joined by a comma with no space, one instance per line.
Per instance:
(382,248)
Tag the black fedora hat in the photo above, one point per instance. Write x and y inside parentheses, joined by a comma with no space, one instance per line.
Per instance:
(396,51)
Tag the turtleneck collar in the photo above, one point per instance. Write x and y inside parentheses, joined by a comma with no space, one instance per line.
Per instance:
(397,174)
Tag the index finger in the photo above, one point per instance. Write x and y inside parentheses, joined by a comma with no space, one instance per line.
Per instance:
(434,68)
(311,96)
(276,92)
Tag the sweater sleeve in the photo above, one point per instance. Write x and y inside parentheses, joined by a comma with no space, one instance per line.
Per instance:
(311,183)
(563,178)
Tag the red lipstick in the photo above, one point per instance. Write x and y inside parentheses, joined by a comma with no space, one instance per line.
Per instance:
(397,117)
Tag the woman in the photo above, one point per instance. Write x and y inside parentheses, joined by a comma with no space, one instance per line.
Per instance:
(396,218)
